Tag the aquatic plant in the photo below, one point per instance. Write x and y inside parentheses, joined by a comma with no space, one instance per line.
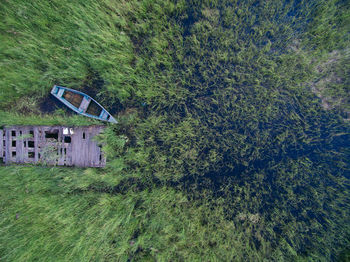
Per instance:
(224,148)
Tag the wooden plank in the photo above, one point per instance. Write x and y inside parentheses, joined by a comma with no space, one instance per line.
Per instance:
(60,147)
(69,159)
(74,155)
(8,156)
(76,148)
(18,149)
(83,151)
(5,146)
(90,157)
(1,143)
(93,148)
(18,152)
(89,146)
(84,147)
(29,151)
(24,157)
(36,144)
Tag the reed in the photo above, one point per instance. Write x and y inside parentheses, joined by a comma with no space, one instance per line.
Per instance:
(232,142)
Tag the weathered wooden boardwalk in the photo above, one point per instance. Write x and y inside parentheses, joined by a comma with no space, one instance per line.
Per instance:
(52,145)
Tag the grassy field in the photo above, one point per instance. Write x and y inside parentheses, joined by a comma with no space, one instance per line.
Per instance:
(55,214)
(233,137)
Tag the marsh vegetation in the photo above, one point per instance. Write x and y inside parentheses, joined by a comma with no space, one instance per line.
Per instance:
(233,140)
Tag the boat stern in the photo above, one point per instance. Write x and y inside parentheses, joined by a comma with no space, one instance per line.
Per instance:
(57,91)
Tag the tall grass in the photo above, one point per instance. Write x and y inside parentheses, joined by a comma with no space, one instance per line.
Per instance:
(13,118)
(46,43)
(222,150)
(45,217)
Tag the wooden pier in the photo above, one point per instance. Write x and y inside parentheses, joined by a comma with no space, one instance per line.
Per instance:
(52,145)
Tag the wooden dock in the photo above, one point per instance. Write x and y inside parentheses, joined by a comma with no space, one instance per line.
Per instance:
(52,145)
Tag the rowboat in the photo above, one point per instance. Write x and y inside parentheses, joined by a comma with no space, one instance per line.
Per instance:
(82,103)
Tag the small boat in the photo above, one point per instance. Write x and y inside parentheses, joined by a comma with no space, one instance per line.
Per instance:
(82,103)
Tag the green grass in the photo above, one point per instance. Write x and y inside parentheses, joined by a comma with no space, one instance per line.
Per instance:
(223,150)
(61,214)
(44,217)
(47,43)
(13,118)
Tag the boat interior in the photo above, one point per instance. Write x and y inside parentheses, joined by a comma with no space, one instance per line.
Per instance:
(73,98)
(93,109)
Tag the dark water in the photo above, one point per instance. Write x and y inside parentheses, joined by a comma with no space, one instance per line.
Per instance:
(305,177)
(49,104)
(275,148)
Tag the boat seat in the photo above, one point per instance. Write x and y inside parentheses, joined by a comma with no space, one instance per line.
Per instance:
(84,104)
(103,115)
(60,92)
